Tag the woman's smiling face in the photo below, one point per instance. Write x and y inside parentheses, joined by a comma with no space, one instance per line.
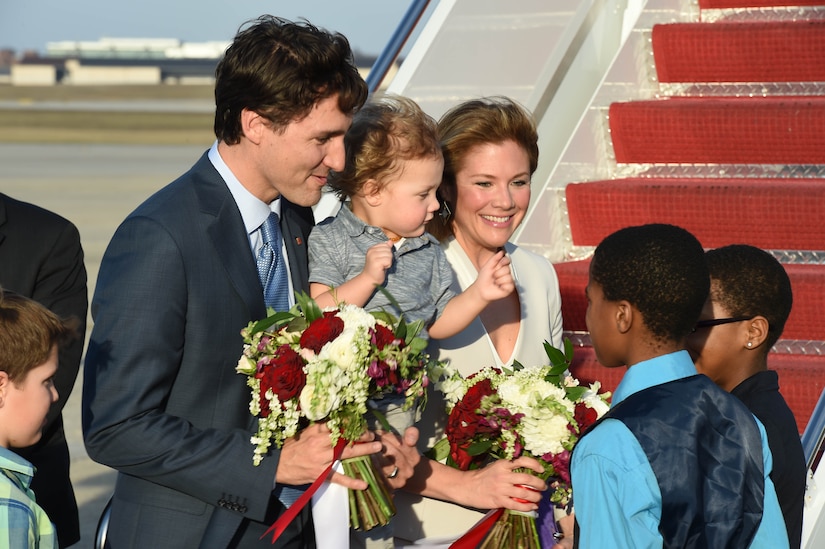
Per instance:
(492,195)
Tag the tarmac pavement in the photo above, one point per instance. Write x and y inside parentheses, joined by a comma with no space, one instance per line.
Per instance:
(95,187)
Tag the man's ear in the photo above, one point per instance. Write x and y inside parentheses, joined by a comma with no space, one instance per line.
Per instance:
(372,192)
(253,125)
(757,332)
(624,316)
(5,383)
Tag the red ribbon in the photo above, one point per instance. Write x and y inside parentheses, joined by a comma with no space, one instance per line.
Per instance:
(283,521)
(477,533)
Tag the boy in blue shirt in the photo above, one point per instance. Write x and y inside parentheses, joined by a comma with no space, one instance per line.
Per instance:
(677,462)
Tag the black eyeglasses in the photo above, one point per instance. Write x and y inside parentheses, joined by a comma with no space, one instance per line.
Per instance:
(717,321)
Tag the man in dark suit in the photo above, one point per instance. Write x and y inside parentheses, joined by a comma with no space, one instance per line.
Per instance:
(162,402)
(41,258)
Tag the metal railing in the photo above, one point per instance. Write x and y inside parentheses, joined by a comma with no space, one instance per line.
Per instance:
(393,48)
(814,435)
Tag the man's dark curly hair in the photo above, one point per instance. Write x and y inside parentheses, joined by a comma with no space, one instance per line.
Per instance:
(280,70)
(748,281)
(659,269)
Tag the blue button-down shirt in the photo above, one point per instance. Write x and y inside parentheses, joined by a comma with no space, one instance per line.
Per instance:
(617,498)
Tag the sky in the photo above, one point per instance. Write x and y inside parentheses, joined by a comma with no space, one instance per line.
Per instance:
(29,24)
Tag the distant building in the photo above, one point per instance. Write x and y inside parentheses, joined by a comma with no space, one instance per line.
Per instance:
(136,48)
(112,61)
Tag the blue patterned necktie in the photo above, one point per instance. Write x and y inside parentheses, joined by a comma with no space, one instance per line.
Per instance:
(273,274)
(272,267)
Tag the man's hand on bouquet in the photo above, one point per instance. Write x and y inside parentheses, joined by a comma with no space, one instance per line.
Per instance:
(307,455)
(399,456)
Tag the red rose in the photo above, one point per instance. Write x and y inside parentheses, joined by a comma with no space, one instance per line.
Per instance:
(561,464)
(584,416)
(284,375)
(461,458)
(464,423)
(383,336)
(321,331)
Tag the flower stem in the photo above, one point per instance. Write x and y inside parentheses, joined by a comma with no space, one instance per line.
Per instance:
(371,507)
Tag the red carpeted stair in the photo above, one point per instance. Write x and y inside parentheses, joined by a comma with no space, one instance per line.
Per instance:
(783,51)
(773,214)
(806,321)
(722,4)
(731,166)
(720,130)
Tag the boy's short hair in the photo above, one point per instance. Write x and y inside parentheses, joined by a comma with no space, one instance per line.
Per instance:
(659,269)
(280,69)
(383,132)
(748,281)
(28,331)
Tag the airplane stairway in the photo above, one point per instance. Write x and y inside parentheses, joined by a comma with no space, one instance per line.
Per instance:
(730,144)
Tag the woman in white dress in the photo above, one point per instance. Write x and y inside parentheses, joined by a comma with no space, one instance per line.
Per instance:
(490,151)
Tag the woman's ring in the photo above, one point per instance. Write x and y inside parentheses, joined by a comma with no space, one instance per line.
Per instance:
(394,473)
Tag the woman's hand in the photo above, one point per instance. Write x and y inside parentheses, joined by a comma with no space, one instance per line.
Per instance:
(399,456)
(500,485)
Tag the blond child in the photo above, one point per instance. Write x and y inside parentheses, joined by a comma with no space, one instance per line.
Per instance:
(30,336)
(393,169)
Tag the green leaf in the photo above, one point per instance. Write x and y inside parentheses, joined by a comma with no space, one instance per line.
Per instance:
(439,451)
(413,329)
(388,295)
(479,447)
(568,350)
(272,320)
(382,419)
(557,357)
(308,306)
(385,317)
(401,330)
(575,393)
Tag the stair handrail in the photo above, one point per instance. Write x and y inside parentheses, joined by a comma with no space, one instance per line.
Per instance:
(813,437)
(396,42)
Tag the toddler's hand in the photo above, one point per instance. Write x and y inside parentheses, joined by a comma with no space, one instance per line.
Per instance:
(379,259)
(495,279)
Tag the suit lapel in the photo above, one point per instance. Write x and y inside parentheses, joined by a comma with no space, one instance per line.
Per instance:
(3,199)
(295,227)
(225,228)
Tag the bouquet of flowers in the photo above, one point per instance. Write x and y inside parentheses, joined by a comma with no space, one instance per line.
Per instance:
(312,365)
(538,412)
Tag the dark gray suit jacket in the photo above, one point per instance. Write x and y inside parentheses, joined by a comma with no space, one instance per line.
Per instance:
(41,258)
(162,402)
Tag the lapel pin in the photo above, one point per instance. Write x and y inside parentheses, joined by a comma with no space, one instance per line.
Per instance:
(299,241)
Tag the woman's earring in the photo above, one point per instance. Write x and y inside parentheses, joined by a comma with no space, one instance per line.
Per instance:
(445,212)
(750,344)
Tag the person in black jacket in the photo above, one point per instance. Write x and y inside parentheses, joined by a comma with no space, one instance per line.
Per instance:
(750,300)
(41,258)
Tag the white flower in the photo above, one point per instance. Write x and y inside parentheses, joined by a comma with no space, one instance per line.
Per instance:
(546,408)
(316,402)
(355,316)
(246,365)
(448,380)
(593,400)
(544,434)
(342,351)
